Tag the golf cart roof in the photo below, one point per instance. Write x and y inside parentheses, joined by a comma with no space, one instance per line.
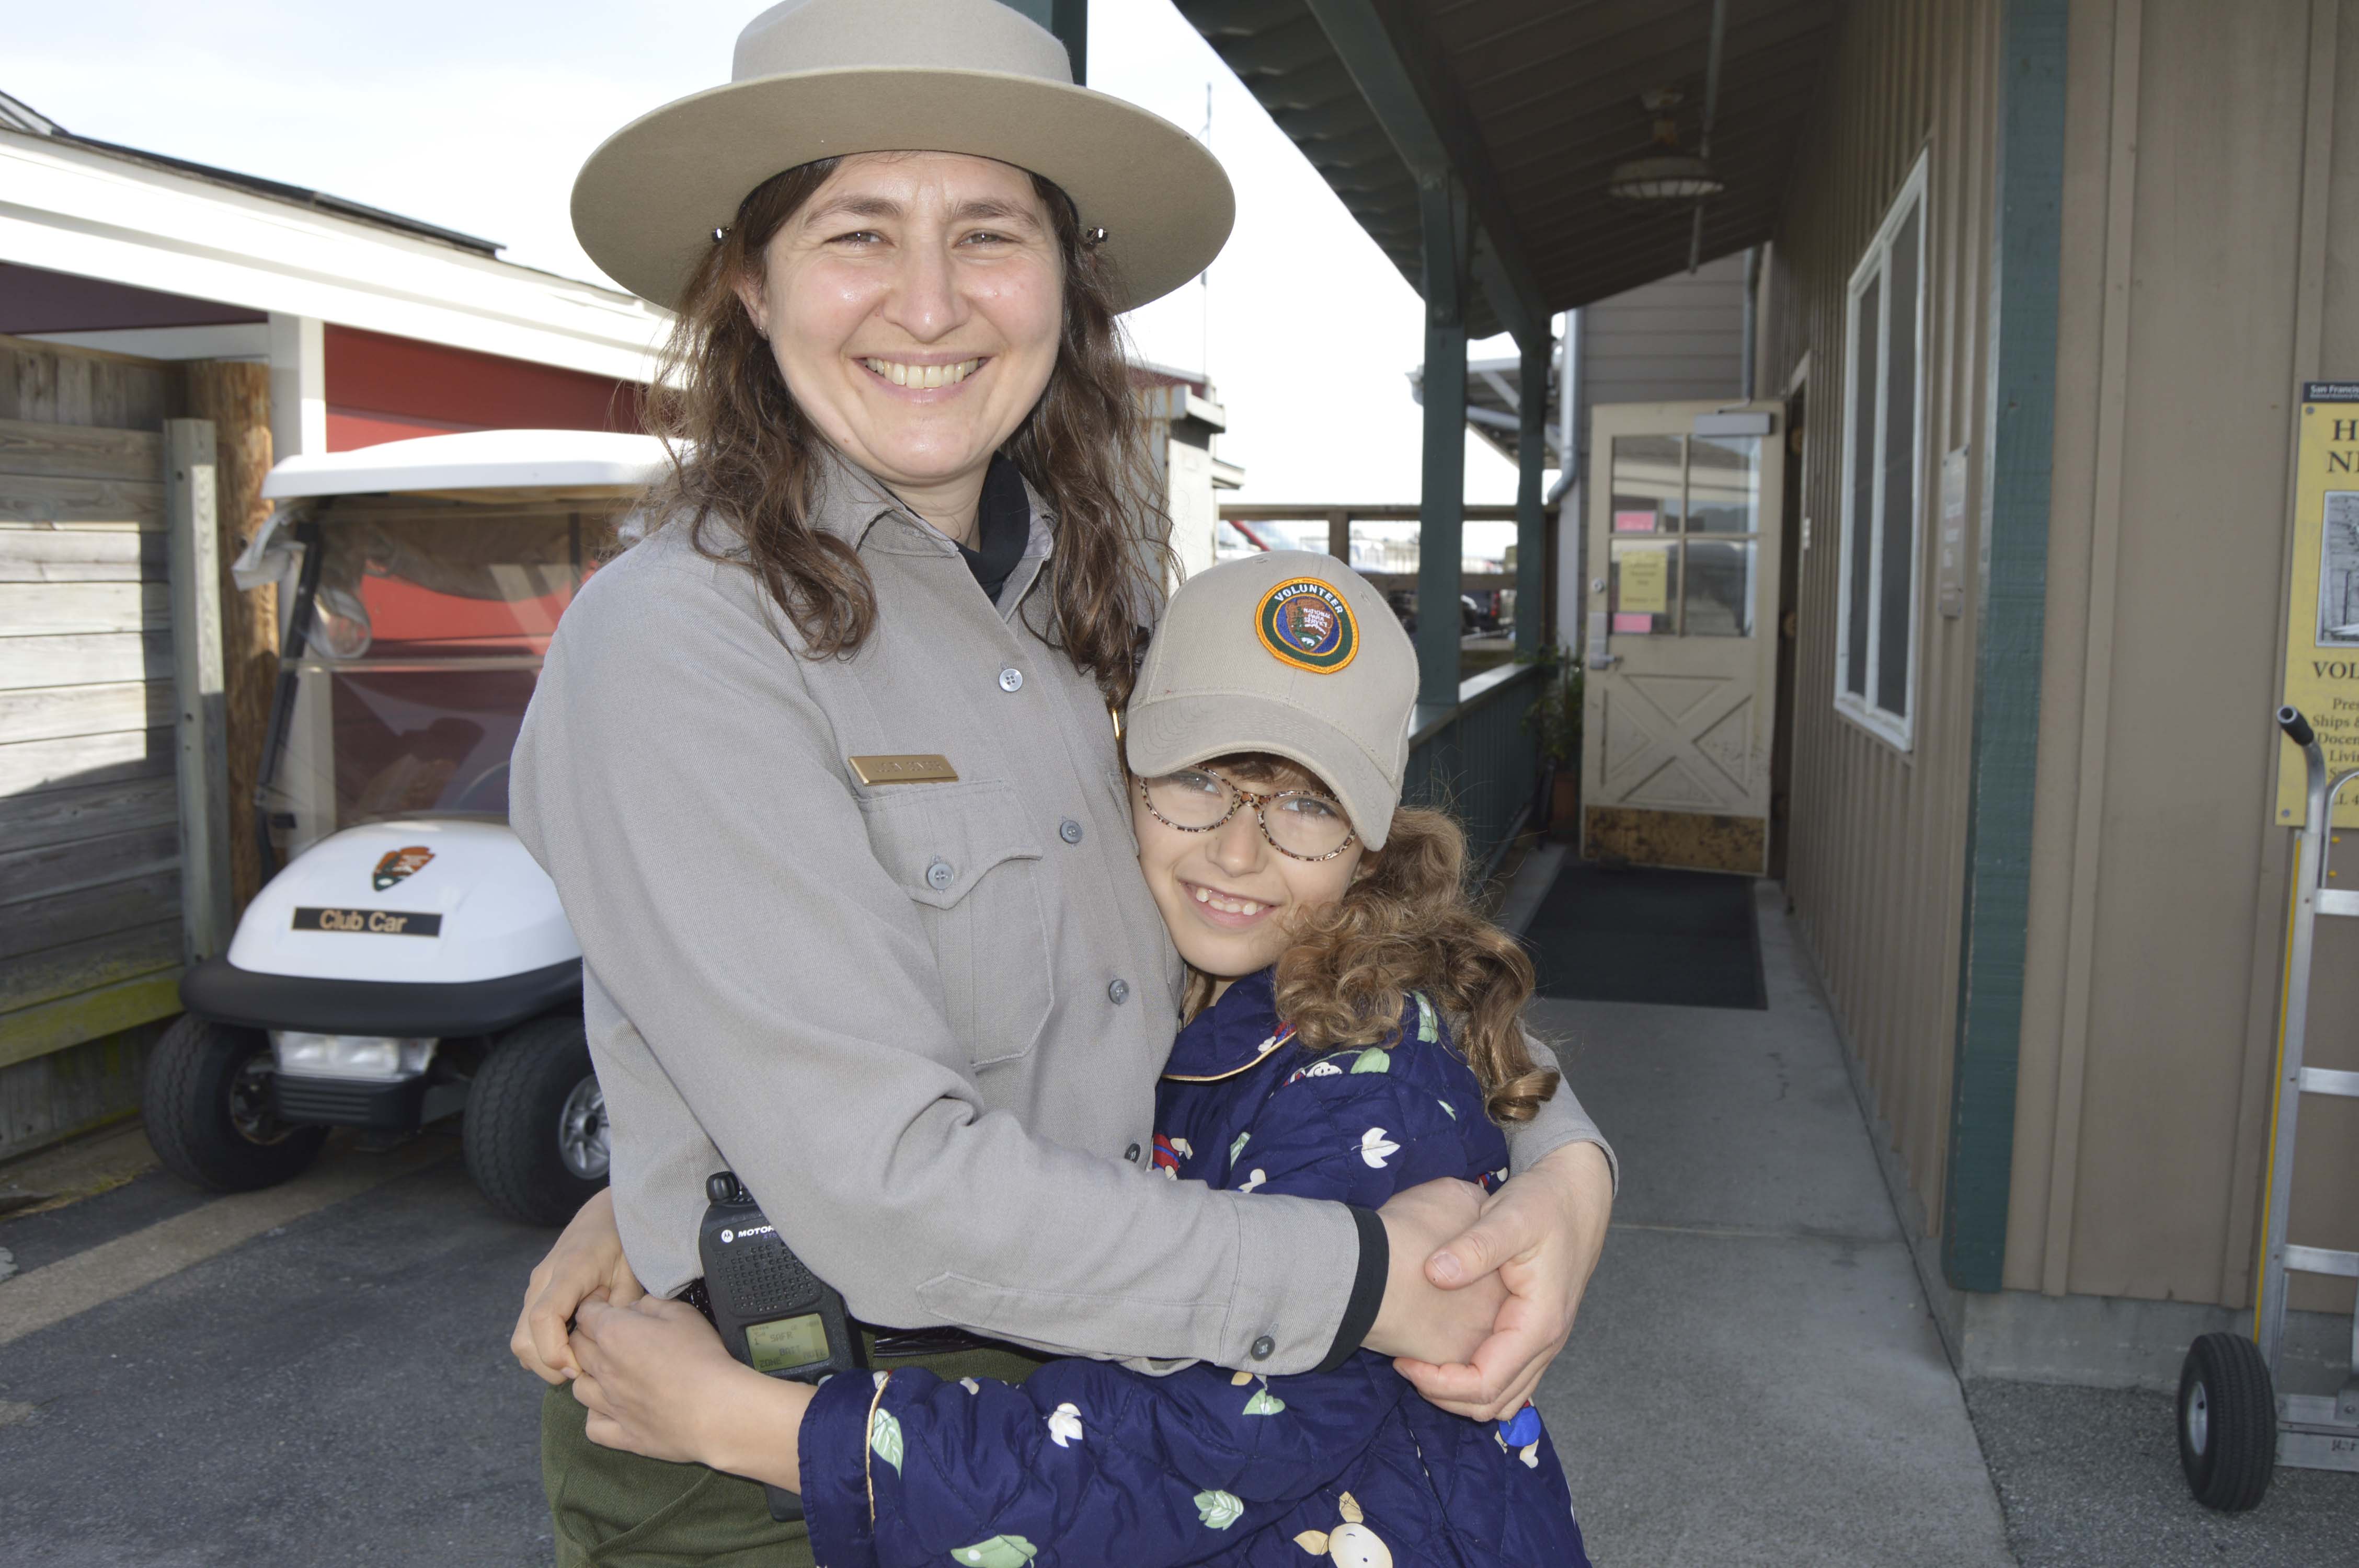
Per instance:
(475,463)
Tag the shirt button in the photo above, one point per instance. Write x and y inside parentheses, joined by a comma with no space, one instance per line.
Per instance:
(1011,680)
(1069,831)
(1131,1153)
(1118,993)
(1263,1348)
(940,875)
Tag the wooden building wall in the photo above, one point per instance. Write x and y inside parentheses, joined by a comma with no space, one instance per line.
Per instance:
(1876,839)
(2210,241)
(2210,262)
(90,900)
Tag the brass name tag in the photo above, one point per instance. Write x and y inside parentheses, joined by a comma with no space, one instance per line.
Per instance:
(915,768)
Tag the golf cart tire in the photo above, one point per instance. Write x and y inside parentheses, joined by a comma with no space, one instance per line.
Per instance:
(2231,1452)
(513,1123)
(193,1122)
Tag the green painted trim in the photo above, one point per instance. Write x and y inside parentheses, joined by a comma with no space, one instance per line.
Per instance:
(2008,644)
(54,1025)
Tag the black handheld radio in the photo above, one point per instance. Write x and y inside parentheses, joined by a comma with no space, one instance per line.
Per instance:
(773,1314)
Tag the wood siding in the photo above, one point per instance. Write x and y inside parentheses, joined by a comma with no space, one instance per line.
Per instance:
(1876,848)
(89,909)
(2211,220)
(2210,262)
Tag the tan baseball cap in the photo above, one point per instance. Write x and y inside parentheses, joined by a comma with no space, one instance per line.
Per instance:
(1287,652)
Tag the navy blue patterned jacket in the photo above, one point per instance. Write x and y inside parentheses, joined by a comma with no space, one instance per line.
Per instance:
(1087,1462)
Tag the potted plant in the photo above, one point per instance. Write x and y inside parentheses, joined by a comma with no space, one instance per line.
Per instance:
(1555,721)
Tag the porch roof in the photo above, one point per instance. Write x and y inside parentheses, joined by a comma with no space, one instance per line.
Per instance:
(1535,102)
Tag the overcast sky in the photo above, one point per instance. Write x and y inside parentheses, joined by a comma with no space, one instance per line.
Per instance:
(475,114)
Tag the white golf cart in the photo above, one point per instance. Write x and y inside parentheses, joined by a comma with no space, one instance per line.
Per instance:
(410,960)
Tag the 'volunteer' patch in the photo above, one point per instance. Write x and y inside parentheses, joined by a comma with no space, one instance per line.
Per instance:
(1306,623)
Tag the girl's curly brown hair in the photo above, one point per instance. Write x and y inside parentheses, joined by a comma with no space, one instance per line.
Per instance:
(744,453)
(1405,925)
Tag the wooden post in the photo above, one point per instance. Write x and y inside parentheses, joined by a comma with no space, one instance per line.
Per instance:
(199,701)
(1531,525)
(234,395)
(1339,534)
(1441,519)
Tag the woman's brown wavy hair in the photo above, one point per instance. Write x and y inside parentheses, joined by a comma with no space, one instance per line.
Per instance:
(743,452)
(1404,926)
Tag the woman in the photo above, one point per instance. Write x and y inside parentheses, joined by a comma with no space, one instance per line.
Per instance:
(823,771)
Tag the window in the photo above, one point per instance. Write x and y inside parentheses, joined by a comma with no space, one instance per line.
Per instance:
(1875,650)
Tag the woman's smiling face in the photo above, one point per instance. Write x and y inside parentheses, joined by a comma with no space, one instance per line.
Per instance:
(1230,899)
(914,304)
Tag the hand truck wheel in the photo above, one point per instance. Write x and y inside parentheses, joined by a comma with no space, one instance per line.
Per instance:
(2227,1423)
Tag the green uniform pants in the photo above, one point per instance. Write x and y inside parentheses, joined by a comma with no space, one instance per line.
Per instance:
(622,1510)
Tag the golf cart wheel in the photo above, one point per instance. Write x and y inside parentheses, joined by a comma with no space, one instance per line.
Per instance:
(208,1109)
(2227,1423)
(535,1128)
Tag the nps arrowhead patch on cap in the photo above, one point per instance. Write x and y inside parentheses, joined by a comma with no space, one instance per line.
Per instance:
(1306,623)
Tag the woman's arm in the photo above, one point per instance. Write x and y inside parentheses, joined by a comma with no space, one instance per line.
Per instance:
(756,977)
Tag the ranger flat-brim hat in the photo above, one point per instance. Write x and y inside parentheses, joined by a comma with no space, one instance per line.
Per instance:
(1287,652)
(816,79)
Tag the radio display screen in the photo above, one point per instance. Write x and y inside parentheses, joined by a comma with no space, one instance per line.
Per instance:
(787,1343)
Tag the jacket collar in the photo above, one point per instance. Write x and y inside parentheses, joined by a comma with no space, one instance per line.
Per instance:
(1238,1031)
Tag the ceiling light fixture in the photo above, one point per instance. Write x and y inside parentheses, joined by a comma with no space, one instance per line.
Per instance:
(1668,175)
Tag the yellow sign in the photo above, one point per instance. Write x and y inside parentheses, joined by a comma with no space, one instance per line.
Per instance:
(2322,667)
(1646,581)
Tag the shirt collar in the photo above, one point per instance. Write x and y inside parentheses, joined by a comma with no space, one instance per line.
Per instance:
(851,501)
(1235,1033)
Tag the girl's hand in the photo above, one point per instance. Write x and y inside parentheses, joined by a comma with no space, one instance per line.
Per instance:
(1541,1235)
(586,1264)
(656,1380)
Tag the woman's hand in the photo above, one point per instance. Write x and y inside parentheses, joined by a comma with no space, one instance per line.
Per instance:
(1539,1237)
(656,1380)
(1418,1317)
(586,1264)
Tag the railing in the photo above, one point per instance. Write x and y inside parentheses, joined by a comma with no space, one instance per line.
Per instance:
(1478,760)
(1339,520)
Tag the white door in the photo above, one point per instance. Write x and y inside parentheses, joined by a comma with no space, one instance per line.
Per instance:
(1682,646)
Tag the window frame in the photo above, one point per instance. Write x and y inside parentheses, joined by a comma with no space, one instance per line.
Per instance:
(1908,204)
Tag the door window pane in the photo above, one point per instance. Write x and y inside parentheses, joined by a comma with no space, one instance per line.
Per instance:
(1719,587)
(1724,484)
(1648,484)
(1642,587)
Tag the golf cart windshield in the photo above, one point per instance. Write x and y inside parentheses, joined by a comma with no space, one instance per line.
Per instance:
(421,633)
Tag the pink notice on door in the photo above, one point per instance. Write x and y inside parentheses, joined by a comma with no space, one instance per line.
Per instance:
(1634,522)
(1626,623)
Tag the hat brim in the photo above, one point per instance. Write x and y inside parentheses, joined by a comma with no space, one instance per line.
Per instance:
(646,204)
(1165,735)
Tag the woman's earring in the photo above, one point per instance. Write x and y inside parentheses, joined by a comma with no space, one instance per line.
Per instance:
(719,236)
(1093,238)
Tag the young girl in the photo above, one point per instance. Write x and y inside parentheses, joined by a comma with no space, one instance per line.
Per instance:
(1332,953)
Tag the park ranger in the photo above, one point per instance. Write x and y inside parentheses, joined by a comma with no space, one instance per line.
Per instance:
(824,771)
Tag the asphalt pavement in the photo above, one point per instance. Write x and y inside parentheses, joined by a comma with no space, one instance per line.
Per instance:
(334,1389)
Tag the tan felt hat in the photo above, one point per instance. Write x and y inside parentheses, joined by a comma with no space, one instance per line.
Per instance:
(816,79)
(1291,652)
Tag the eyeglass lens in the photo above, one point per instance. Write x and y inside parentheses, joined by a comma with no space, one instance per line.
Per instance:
(1298,822)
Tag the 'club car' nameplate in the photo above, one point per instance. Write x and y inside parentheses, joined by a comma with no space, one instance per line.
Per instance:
(371,922)
(914,768)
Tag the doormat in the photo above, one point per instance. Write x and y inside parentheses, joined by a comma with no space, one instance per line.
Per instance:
(1643,934)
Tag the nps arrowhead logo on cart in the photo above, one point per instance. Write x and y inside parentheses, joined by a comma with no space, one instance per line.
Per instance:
(399,864)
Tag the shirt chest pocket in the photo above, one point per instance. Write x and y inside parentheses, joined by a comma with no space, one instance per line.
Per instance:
(971,864)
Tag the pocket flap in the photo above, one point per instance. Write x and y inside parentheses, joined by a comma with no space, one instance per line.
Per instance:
(939,840)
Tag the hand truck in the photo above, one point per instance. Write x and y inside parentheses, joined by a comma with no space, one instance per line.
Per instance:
(2233,1428)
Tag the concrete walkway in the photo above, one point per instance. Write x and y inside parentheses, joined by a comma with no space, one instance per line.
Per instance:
(1755,1378)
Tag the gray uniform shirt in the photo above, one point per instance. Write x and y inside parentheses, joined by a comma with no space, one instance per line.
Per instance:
(922,1021)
